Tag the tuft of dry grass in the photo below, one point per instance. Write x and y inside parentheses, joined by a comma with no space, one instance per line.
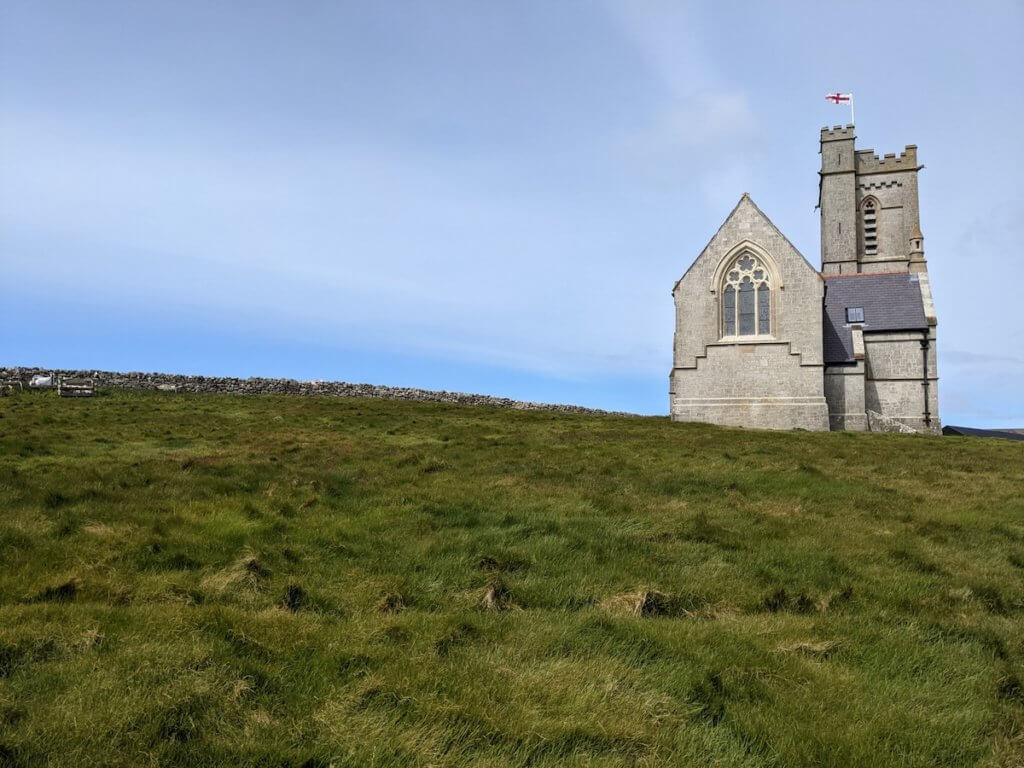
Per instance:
(496,596)
(821,649)
(245,574)
(643,603)
(91,638)
(655,603)
(392,602)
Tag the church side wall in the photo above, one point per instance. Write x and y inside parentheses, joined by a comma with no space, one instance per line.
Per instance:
(894,380)
(844,392)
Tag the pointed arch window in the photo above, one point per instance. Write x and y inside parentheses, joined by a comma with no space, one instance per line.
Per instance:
(869,226)
(746,298)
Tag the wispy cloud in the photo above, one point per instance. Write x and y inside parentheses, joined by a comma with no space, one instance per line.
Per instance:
(698,105)
(966,359)
(669,37)
(701,122)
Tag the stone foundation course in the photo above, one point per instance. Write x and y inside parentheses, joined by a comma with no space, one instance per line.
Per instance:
(169,382)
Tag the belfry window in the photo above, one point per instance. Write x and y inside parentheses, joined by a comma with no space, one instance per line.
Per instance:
(746,299)
(869,226)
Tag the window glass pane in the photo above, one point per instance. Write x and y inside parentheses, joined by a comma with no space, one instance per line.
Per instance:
(746,307)
(764,309)
(745,263)
(729,310)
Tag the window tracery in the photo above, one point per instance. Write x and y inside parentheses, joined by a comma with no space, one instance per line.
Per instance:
(746,298)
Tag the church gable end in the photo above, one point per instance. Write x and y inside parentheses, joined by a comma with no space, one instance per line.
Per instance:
(749,310)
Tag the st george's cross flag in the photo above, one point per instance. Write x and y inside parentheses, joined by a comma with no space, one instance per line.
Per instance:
(842,98)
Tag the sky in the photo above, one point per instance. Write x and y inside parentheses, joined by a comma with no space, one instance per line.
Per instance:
(471,196)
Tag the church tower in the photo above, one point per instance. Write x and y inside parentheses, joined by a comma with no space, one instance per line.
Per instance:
(880,321)
(870,220)
(837,199)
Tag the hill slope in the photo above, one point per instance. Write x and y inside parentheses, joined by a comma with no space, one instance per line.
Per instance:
(213,580)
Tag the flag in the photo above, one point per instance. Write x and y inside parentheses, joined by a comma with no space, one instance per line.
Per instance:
(842,98)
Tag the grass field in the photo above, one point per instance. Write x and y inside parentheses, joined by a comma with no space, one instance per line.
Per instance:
(267,581)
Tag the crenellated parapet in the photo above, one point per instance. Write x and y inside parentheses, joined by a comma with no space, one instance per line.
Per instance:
(868,162)
(838,133)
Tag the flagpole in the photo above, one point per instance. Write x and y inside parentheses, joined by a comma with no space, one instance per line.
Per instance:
(853,119)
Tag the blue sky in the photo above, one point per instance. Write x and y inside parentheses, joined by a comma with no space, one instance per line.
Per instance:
(489,197)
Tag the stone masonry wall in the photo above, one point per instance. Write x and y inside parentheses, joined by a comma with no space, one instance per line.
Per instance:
(262,386)
(896,194)
(760,385)
(844,391)
(893,385)
(838,201)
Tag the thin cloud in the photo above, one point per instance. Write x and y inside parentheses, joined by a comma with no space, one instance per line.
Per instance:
(965,359)
(704,121)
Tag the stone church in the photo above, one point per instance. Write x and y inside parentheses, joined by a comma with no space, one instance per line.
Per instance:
(764,339)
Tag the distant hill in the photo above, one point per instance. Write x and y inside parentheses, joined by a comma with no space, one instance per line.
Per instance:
(194,579)
(1003,434)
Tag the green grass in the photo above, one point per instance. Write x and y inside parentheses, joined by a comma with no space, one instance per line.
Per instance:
(214,580)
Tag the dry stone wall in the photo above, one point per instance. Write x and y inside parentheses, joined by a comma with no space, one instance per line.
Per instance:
(169,382)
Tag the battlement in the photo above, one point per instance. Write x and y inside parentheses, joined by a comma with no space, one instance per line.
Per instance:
(838,133)
(868,162)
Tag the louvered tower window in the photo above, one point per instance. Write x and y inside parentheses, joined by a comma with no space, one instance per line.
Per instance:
(869,224)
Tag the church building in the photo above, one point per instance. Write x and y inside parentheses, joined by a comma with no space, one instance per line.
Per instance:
(763,339)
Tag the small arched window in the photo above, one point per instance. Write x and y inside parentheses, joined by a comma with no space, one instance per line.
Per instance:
(869,226)
(746,298)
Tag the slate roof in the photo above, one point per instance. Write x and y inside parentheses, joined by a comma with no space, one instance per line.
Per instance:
(891,302)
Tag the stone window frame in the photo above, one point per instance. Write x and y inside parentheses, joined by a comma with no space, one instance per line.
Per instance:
(763,261)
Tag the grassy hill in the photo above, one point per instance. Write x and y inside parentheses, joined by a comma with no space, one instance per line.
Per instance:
(211,580)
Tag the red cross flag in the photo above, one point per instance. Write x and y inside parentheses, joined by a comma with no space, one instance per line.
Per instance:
(841,98)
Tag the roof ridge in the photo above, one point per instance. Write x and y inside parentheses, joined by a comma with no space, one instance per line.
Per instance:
(721,226)
(745,196)
(868,274)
